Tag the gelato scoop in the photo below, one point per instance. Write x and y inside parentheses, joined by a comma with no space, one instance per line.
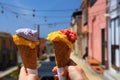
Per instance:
(27,33)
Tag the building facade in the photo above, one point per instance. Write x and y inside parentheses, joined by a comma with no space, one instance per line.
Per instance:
(97,23)
(42,46)
(114,35)
(50,49)
(76,26)
(103,35)
(84,7)
(8,51)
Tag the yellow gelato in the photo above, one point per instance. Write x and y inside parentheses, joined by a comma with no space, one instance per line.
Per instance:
(22,41)
(58,36)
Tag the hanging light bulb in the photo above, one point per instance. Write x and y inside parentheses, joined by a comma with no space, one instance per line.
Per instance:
(50,25)
(33,13)
(45,19)
(16,16)
(2,11)
(33,10)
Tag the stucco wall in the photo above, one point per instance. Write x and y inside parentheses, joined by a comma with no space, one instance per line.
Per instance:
(97,22)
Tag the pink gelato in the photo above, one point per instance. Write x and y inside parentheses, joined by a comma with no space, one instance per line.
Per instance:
(70,34)
(28,34)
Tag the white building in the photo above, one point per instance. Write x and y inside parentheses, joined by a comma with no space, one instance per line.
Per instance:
(113,39)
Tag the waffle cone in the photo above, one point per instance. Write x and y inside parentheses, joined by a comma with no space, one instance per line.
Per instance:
(62,53)
(29,56)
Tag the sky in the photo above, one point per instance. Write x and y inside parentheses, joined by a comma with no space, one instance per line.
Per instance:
(50,15)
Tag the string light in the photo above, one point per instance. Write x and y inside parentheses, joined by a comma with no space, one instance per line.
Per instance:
(2,11)
(45,19)
(11,8)
(62,10)
(33,13)
(16,16)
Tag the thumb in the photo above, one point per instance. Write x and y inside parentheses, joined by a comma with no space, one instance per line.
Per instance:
(22,74)
(76,73)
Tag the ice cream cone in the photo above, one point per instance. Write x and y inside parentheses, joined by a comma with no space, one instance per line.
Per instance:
(62,53)
(29,56)
(62,41)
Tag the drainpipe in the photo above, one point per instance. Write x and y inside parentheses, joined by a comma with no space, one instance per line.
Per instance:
(108,40)
(107,21)
(38,29)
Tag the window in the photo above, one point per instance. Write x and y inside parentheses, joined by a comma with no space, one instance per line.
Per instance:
(115,54)
(92,2)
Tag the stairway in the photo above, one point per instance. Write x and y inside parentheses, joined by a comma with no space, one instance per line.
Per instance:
(95,65)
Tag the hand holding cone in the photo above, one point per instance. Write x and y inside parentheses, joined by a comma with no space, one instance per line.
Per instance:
(62,41)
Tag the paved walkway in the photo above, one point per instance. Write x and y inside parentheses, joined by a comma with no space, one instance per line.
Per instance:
(6,72)
(87,69)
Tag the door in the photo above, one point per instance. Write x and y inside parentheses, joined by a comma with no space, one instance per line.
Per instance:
(103,45)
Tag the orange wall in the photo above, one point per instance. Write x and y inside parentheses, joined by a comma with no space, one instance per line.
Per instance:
(42,46)
(96,22)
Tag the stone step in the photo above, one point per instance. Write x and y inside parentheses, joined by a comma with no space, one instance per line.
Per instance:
(98,69)
(95,65)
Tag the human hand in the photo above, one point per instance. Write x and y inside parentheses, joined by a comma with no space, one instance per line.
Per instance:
(72,73)
(25,76)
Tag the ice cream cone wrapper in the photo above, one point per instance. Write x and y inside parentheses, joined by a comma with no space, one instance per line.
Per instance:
(59,72)
(29,56)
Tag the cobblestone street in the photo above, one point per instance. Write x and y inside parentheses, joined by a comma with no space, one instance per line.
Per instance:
(87,69)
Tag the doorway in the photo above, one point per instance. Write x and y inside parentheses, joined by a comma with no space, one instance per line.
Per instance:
(103,46)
